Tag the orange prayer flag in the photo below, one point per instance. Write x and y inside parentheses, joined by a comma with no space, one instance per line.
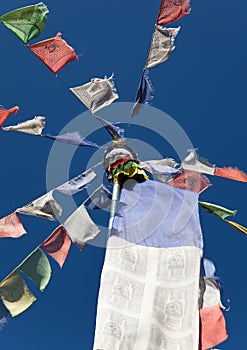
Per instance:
(172,10)
(190,180)
(11,226)
(213,327)
(4,113)
(231,173)
(57,245)
(54,52)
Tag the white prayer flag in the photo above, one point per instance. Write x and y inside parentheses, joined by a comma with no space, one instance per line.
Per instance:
(44,207)
(33,126)
(80,227)
(96,94)
(162,45)
(194,163)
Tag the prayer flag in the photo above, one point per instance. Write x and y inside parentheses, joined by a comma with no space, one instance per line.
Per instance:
(99,199)
(72,138)
(190,180)
(4,113)
(148,297)
(160,168)
(27,22)
(57,245)
(115,131)
(195,163)
(54,52)
(155,214)
(231,173)
(80,227)
(96,94)
(11,226)
(213,326)
(15,294)
(37,267)
(217,210)
(78,183)
(238,227)
(32,126)
(144,95)
(44,207)
(162,45)
(172,10)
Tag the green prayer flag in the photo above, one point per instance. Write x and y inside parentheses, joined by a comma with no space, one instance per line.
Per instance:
(37,267)
(15,294)
(238,227)
(26,22)
(217,210)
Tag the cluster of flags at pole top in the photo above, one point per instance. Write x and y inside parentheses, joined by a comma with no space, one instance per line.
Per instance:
(27,24)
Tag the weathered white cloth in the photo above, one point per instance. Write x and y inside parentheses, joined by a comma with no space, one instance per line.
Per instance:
(33,126)
(96,94)
(148,298)
(195,163)
(162,45)
(44,207)
(80,227)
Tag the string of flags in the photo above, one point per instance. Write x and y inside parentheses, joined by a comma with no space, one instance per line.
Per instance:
(178,255)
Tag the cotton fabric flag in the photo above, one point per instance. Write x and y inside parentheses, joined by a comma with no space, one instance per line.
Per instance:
(213,325)
(99,199)
(115,131)
(57,245)
(194,163)
(15,294)
(54,52)
(78,183)
(96,94)
(148,298)
(33,126)
(11,226)
(190,180)
(155,214)
(4,113)
(27,22)
(161,169)
(37,267)
(217,210)
(162,45)
(72,138)
(145,93)
(44,207)
(151,271)
(237,226)
(231,173)
(80,227)
(172,10)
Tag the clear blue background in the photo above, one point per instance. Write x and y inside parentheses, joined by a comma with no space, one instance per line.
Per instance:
(202,86)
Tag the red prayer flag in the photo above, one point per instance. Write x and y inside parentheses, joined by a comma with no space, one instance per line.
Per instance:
(231,173)
(190,180)
(172,10)
(54,52)
(57,245)
(213,327)
(4,113)
(11,226)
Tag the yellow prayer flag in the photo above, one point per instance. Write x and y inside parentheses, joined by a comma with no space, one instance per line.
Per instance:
(15,294)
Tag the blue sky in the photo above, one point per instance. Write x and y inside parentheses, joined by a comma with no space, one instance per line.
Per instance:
(201,86)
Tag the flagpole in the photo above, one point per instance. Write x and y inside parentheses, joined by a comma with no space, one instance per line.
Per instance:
(115,198)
